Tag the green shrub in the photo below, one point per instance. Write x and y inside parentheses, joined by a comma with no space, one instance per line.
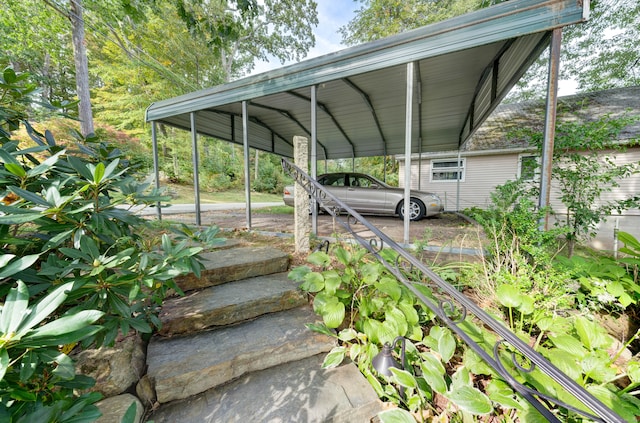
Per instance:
(72,248)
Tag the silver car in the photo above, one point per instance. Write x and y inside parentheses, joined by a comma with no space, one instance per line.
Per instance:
(366,194)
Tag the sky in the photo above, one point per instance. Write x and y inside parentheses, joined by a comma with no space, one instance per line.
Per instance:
(332,14)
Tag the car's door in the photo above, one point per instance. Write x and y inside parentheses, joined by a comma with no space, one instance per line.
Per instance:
(334,183)
(365,195)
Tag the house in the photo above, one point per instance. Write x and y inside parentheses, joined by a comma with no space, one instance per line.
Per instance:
(466,178)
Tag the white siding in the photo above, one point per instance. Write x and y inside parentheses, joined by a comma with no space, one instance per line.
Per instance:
(484,172)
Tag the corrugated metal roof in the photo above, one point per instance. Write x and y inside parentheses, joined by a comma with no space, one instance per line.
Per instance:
(465,66)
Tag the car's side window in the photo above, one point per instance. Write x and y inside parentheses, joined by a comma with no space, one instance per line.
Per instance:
(333,180)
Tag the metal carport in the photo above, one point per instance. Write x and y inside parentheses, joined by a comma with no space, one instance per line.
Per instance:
(423,90)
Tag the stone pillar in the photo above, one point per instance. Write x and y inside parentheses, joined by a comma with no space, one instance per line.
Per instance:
(302,224)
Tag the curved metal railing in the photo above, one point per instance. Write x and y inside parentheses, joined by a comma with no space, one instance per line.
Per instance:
(454,309)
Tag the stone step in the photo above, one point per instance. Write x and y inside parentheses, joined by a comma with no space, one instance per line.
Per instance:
(234,264)
(229,303)
(299,391)
(188,365)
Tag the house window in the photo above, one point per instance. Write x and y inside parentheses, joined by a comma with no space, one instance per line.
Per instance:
(528,167)
(447,170)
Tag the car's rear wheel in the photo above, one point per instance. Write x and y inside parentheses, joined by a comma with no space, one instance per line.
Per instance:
(417,209)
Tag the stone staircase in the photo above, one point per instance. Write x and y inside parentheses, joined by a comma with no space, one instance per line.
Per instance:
(235,348)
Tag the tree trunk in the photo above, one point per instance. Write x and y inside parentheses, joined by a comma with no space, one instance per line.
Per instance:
(82,68)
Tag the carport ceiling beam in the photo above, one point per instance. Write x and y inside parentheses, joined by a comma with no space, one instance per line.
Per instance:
(251,119)
(372,109)
(491,67)
(289,116)
(325,109)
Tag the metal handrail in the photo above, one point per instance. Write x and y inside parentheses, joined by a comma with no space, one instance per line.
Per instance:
(445,309)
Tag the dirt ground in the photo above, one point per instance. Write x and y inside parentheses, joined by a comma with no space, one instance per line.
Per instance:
(448,234)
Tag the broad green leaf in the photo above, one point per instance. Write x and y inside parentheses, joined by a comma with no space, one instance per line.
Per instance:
(391,287)
(65,368)
(461,377)
(319,258)
(569,344)
(334,358)
(14,309)
(470,399)
(597,367)
(370,272)
(320,328)
(29,196)
(475,363)
(313,282)
(130,414)
(508,295)
(410,312)
(332,281)
(46,165)
(18,219)
(395,318)
(28,365)
(503,394)
(7,158)
(591,334)
(18,265)
(621,406)
(333,314)
(22,395)
(567,363)
(347,335)
(633,371)
(15,169)
(629,240)
(373,329)
(403,377)
(433,373)
(527,305)
(343,255)
(65,324)
(65,338)
(396,415)
(445,343)
(4,362)
(98,172)
(44,308)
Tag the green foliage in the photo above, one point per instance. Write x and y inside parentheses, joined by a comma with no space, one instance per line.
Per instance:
(37,379)
(512,225)
(364,307)
(606,283)
(585,168)
(380,18)
(73,254)
(369,307)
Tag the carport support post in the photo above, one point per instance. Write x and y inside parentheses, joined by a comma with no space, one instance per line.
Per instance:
(301,197)
(247,171)
(407,152)
(196,167)
(314,156)
(550,124)
(156,164)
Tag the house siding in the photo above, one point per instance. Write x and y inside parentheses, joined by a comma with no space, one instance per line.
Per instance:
(483,173)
